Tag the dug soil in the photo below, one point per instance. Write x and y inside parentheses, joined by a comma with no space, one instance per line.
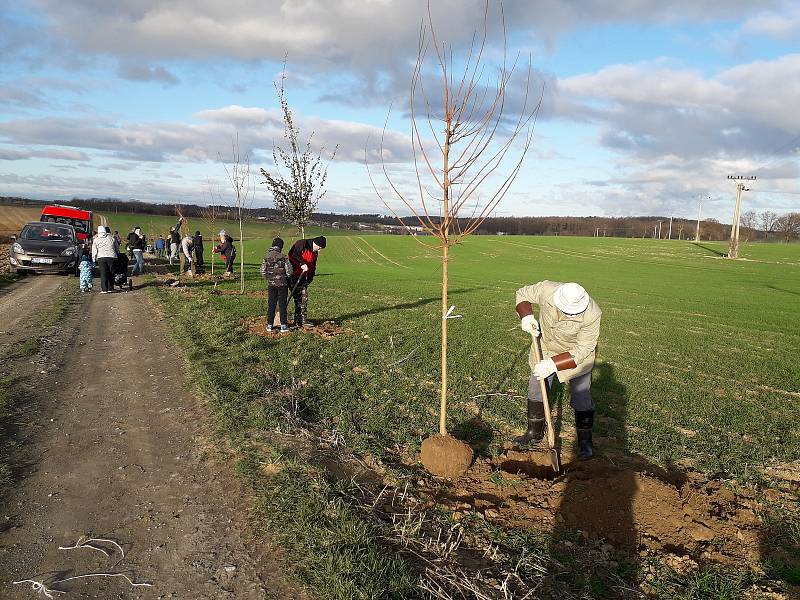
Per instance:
(327,330)
(111,444)
(635,506)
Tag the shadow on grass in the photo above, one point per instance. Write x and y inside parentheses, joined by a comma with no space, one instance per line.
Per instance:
(710,249)
(784,290)
(387,307)
(476,432)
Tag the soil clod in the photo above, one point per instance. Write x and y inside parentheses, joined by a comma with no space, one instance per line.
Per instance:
(445,456)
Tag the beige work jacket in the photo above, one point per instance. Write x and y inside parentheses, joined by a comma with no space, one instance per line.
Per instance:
(576,334)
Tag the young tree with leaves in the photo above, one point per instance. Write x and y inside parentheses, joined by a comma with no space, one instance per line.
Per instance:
(296,194)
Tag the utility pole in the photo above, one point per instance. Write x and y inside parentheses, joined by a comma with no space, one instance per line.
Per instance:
(669,234)
(733,247)
(699,210)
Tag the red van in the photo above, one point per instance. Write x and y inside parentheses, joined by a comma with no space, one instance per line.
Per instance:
(80,219)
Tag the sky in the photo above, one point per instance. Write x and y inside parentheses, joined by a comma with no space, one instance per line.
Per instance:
(640,107)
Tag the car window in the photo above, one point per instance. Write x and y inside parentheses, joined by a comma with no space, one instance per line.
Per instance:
(47,233)
(78,224)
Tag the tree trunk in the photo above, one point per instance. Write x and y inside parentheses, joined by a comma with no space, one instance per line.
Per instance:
(302,232)
(443,401)
(212,247)
(241,257)
(445,259)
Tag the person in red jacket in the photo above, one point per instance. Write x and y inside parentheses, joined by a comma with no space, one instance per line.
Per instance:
(303,256)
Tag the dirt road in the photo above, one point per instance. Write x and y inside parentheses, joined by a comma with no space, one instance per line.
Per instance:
(118,449)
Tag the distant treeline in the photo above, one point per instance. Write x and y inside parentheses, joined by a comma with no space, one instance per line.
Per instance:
(754,226)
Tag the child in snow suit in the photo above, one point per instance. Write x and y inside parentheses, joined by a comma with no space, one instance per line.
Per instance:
(277,270)
(85,267)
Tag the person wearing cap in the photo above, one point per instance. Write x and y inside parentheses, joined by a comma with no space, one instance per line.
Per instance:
(303,256)
(227,251)
(276,270)
(569,323)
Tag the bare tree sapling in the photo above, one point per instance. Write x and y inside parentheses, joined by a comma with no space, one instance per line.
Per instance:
(463,169)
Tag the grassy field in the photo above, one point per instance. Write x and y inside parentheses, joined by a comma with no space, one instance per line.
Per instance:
(155,225)
(697,365)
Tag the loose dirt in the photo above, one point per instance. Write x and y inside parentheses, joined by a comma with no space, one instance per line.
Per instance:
(113,445)
(445,456)
(327,330)
(636,506)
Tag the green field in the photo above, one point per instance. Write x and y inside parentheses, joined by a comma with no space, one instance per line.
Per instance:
(690,342)
(155,225)
(697,365)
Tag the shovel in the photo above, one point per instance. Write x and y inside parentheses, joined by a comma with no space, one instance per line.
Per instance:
(299,279)
(548,419)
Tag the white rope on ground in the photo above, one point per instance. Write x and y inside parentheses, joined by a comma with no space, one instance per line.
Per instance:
(86,542)
(38,586)
(83,542)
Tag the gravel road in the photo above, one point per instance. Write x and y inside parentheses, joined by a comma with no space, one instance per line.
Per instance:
(110,443)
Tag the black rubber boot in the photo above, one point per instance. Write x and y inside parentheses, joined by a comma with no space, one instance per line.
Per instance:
(584,421)
(536,424)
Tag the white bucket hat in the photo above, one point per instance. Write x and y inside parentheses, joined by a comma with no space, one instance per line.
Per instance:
(571,298)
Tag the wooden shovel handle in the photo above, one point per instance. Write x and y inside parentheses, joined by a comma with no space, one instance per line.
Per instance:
(551,434)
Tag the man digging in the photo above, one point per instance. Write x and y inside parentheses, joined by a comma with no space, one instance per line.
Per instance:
(303,257)
(569,323)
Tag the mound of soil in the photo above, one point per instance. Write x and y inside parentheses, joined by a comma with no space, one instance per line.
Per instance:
(635,506)
(445,456)
(327,330)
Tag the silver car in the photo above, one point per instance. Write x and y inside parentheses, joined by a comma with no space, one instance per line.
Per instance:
(45,248)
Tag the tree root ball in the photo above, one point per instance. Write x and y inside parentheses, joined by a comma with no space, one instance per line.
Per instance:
(445,456)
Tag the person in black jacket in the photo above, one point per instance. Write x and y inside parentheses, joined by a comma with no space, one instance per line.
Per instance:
(227,251)
(136,243)
(197,244)
(175,241)
(303,256)
(277,270)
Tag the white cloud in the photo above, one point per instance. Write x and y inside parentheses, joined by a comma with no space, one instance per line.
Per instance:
(775,24)
(8,154)
(139,72)
(354,34)
(653,110)
(257,129)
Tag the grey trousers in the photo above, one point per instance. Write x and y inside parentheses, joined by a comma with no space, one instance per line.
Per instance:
(580,391)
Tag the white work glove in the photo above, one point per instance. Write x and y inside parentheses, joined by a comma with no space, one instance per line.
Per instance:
(544,368)
(529,325)
(304,268)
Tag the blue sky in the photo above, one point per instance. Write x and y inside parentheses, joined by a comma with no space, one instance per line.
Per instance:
(647,105)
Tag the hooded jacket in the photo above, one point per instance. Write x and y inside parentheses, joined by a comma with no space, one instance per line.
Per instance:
(276,268)
(302,253)
(104,246)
